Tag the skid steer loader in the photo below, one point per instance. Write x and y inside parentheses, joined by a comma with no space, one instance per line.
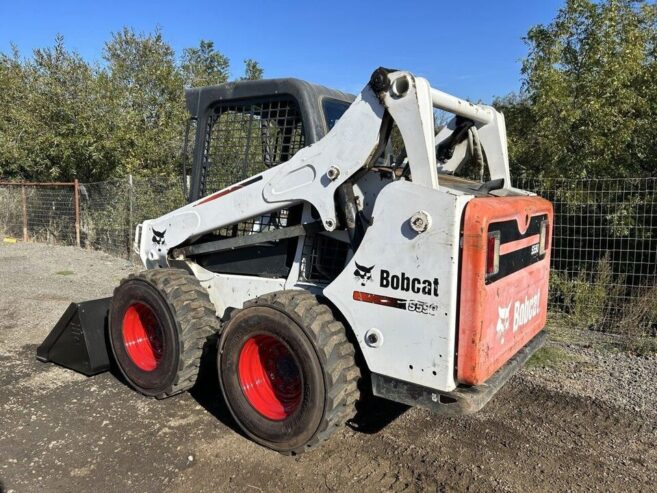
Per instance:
(324,257)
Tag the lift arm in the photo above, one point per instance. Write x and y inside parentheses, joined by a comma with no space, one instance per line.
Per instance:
(315,172)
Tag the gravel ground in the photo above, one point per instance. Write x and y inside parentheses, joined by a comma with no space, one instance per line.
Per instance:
(583,421)
(617,378)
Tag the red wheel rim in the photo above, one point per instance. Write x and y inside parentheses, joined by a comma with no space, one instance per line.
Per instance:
(142,336)
(270,377)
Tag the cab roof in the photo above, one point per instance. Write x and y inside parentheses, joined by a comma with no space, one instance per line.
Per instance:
(308,96)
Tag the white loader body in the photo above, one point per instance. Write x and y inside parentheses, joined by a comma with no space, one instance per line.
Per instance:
(399,291)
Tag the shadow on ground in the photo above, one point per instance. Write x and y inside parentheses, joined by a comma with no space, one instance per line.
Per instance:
(373,413)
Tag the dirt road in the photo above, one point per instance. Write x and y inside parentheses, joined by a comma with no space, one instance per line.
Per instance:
(585,420)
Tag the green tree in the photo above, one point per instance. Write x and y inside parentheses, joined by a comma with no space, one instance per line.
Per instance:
(252,70)
(13,94)
(64,118)
(145,88)
(204,66)
(589,96)
(54,128)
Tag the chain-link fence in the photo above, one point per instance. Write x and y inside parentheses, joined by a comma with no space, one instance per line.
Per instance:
(604,249)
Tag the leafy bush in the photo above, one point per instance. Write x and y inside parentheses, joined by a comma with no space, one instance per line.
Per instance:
(588,297)
(638,322)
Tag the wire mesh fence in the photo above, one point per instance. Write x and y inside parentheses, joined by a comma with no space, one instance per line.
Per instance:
(110,210)
(604,248)
(40,212)
(100,216)
(604,252)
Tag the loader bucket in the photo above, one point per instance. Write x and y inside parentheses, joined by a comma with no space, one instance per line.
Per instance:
(78,341)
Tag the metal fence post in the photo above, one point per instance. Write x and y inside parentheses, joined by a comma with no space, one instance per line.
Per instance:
(76,193)
(24,200)
(130,210)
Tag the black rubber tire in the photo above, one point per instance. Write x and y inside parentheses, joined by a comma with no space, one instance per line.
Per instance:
(187,320)
(325,360)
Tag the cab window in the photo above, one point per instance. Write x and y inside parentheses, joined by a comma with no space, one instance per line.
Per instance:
(333,110)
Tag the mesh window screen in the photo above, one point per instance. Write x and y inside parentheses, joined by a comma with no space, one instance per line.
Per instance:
(246,138)
(243,139)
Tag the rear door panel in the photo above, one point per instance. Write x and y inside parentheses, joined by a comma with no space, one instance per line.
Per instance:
(500,313)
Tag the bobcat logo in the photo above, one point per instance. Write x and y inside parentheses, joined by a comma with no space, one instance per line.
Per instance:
(364,274)
(503,321)
(158,237)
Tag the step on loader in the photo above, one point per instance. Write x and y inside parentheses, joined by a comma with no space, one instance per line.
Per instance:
(332,245)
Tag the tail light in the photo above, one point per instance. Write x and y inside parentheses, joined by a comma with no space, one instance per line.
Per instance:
(544,240)
(493,253)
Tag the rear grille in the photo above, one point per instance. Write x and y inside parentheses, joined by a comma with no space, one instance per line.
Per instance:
(323,258)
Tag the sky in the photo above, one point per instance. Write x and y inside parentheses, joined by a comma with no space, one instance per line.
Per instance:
(472,49)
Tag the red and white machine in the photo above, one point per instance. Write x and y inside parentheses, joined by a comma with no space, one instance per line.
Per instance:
(437,292)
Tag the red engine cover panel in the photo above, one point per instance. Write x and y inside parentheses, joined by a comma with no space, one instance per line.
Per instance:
(499,315)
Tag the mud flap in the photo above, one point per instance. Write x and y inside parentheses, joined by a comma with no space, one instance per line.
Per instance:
(79,340)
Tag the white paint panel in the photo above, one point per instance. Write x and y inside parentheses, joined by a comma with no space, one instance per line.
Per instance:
(232,290)
(411,339)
